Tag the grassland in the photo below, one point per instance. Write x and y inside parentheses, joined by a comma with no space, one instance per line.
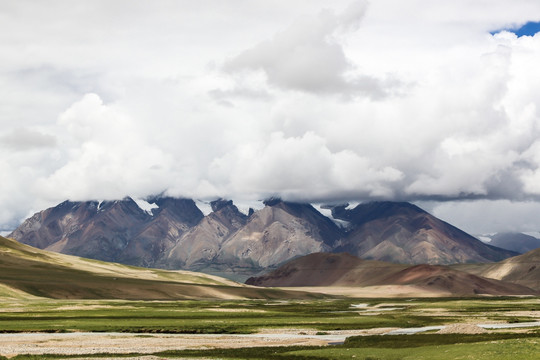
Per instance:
(27,272)
(134,312)
(325,316)
(197,317)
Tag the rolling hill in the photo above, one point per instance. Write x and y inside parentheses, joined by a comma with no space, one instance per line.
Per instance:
(27,272)
(345,270)
(523,269)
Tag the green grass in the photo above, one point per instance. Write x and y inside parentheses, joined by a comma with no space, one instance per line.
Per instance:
(519,347)
(28,273)
(420,340)
(246,316)
(208,317)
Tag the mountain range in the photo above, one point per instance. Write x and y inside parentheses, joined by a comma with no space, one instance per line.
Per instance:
(173,233)
(514,241)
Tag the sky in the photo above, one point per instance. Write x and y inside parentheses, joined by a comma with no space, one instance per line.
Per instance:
(429,101)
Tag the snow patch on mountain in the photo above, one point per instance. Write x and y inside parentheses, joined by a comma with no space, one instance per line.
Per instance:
(483,238)
(204,206)
(352,205)
(145,206)
(244,206)
(327,211)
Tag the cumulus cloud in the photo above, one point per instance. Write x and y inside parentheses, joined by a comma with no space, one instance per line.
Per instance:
(301,168)
(307,56)
(107,158)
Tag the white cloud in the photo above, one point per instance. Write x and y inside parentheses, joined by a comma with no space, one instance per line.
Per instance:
(308,56)
(108,156)
(102,100)
(301,168)
(484,217)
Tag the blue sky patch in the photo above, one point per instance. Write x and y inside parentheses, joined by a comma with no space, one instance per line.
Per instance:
(529,29)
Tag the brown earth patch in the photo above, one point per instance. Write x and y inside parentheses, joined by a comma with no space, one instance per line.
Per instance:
(235,310)
(462,329)
(383,291)
(95,343)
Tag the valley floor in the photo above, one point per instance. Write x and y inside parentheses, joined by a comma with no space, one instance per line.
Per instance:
(271,329)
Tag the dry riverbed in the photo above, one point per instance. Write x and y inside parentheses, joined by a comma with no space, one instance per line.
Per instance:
(120,343)
(126,343)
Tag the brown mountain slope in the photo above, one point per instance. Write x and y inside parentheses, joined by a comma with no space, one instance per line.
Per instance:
(117,231)
(341,270)
(171,220)
(279,232)
(198,247)
(404,233)
(100,231)
(523,269)
(28,272)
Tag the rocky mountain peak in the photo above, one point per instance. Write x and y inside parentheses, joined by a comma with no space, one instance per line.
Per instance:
(366,212)
(220,204)
(125,207)
(273,201)
(181,209)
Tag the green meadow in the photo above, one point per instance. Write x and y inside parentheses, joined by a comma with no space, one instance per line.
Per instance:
(324,316)
(200,317)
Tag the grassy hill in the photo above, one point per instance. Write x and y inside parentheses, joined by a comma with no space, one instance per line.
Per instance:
(523,269)
(345,270)
(27,272)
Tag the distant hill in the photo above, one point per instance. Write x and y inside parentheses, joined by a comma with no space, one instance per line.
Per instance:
(523,269)
(173,233)
(345,270)
(27,272)
(324,269)
(518,242)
